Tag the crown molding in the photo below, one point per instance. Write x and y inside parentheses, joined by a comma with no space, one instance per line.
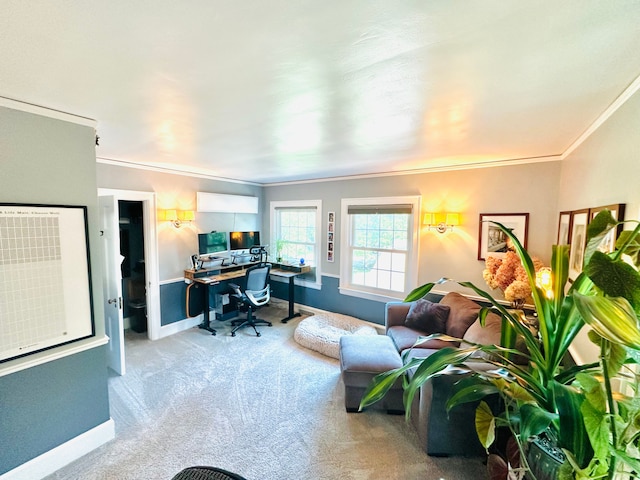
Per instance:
(172,171)
(47,112)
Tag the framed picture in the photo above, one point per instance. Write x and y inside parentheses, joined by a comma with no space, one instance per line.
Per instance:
(331,219)
(564,228)
(617,211)
(45,282)
(492,241)
(579,222)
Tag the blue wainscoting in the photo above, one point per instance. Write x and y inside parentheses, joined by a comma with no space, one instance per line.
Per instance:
(173,300)
(47,405)
(329,298)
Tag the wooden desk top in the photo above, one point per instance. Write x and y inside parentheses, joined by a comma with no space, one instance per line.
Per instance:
(218,274)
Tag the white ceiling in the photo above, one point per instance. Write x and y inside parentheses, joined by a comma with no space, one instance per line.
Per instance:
(286,90)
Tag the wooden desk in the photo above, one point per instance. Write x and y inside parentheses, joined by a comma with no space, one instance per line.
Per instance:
(215,275)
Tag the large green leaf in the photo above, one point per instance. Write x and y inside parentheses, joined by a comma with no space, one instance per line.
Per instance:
(630,244)
(572,434)
(597,427)
(485,425)
(611,318)
(470,389)
(597,230)
(614,277)
(534,420)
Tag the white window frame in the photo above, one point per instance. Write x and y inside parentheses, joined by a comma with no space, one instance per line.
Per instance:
(413,254)
(317,204)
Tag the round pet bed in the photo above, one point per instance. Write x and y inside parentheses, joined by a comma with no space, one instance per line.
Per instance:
(322,332)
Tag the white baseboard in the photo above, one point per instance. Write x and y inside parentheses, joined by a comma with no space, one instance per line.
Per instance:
(179,326)
(64,454)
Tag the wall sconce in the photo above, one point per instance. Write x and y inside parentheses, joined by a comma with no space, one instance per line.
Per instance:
(441,221)
(177,217)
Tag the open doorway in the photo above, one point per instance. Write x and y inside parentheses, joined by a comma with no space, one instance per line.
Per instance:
(136,279)
(134,291)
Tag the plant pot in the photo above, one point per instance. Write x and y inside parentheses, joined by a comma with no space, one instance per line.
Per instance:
(544,458)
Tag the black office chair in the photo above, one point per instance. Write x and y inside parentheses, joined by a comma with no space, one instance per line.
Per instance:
(206,473)
(257,293)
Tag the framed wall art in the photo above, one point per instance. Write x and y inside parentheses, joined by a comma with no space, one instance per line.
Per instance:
(564,228)
(331,222)
(492,241)
(579,222)
(45,281)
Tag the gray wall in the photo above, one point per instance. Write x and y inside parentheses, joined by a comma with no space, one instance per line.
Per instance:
(529,189)
(175,246)
(604,170)
(53,162)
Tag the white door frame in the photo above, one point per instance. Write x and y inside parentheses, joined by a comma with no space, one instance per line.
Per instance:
(151,263)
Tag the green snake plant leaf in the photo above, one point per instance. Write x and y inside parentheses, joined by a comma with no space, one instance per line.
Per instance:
(612,318)
(560,270)
(380,385)
(470,389)
(615,278)
(430,366)
(485,425)
(534,420)
(419,292)
(572,434)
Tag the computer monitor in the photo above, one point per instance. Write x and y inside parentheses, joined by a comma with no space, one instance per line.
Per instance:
(243,240)
(212,243)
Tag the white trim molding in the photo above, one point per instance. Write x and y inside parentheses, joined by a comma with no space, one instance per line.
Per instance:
(47,112)
(64,454)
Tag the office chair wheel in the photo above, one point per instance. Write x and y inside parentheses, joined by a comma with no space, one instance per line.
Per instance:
(233,334)
(258,334)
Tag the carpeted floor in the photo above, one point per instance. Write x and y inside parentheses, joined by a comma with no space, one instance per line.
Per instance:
(263,407)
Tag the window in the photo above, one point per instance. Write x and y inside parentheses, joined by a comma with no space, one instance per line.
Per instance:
(295,234)
(379,247)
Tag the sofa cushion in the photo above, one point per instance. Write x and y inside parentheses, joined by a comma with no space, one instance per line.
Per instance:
(427,316)
(405,337)
(487,335)
(490,335)
(463,312)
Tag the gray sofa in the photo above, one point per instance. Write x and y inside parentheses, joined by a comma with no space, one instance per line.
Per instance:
(441,433)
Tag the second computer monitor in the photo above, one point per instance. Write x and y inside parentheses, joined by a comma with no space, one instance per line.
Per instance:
(243,240)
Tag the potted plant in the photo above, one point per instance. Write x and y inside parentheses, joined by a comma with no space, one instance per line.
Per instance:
(545,397)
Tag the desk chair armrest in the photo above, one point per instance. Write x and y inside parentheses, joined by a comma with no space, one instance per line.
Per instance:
(258,297)
(235,288)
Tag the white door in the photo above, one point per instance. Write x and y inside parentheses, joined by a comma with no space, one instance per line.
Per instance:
(112,282)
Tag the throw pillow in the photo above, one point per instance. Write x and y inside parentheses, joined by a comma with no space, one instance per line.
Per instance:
(464,312)
(427,316)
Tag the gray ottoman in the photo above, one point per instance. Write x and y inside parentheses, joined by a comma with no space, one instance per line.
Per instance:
(361,359)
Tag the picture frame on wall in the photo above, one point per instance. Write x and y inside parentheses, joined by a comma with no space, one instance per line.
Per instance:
(564,228)
(579,223)
(331,218)
(492,241)
(608,244)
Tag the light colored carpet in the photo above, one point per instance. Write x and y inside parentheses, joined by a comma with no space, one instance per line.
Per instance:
(263,407)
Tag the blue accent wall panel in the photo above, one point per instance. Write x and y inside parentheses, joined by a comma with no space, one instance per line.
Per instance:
(173,302)
(329,298)
(47,405)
